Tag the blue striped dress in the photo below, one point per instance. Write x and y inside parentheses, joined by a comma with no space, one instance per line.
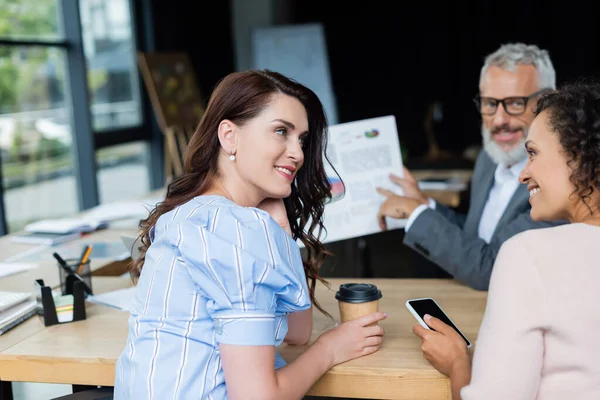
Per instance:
(215,273)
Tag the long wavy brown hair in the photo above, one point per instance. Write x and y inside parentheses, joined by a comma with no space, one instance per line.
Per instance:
(240,97)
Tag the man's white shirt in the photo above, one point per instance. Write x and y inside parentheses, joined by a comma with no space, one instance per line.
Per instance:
(506,182)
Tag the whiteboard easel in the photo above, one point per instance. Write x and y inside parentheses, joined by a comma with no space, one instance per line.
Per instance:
(298,52)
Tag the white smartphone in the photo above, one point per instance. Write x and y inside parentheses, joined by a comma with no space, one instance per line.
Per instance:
(420,307)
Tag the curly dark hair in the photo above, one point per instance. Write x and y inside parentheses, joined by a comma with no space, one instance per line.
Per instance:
(574,115)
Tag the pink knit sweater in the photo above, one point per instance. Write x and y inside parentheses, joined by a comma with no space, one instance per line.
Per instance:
(540,336)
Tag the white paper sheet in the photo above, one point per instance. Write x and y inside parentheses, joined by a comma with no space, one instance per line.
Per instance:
(120,299)
(7,268)
(364,153)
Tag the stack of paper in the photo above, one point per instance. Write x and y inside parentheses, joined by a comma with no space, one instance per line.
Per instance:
(136,209)
(16,308)
(44,238)
(65,225)
(98,217)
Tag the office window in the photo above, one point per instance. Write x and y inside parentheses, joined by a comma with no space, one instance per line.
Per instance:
(123,172)
(35,135)
(68,70)
(30,19)
(110,52)
(35,124)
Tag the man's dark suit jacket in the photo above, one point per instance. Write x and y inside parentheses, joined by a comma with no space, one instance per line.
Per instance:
(451,240)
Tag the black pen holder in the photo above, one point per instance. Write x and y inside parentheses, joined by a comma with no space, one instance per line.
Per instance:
(48,306)
(67,279)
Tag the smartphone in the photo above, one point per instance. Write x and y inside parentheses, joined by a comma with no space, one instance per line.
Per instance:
(420,307)
(436,180)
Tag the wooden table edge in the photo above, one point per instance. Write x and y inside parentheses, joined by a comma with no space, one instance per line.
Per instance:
(381,385)
(100,372)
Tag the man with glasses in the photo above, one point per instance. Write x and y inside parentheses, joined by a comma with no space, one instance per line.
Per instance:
(511,80)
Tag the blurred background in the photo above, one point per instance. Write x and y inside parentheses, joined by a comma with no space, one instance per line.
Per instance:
(77,125)
(80,124)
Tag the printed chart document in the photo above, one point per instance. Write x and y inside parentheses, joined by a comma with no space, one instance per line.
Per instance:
(363,153)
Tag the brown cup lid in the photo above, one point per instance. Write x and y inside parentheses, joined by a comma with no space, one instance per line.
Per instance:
(358,293)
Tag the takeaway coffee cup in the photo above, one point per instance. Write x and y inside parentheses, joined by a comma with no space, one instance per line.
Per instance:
(357,299)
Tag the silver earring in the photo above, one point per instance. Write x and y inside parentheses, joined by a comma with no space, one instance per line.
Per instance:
(232,157)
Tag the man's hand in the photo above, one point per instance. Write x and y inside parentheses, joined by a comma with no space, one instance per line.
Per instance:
(409,186)
(394,206)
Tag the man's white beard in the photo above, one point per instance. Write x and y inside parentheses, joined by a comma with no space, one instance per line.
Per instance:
(499,155)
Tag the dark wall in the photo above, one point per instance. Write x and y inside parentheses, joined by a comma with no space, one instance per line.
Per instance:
(390,59)
(396,58)
(203,29)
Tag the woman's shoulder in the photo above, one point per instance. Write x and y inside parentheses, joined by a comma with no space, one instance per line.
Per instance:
(557,231)
(211,211)
(221,219)
(554,238)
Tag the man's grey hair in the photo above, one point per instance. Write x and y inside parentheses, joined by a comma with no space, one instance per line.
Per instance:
(509,55)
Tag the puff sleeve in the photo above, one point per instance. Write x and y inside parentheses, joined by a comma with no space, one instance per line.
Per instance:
(248,269)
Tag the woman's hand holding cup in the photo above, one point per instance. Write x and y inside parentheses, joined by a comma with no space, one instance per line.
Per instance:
(353,339)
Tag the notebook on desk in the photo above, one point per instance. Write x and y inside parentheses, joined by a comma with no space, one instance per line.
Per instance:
(65,225)
(44,238)
(16,307)
(96,218)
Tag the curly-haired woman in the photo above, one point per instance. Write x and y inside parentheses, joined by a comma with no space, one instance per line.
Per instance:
(540,334)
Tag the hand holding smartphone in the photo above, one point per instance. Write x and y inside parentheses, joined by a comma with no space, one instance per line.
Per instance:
(419,307)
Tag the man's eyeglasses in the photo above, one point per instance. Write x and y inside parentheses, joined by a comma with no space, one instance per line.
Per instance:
(515,105)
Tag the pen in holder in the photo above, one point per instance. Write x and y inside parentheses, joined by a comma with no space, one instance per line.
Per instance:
(75,282)
(70,275)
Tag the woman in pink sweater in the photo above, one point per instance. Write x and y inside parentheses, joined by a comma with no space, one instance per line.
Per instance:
(540,336)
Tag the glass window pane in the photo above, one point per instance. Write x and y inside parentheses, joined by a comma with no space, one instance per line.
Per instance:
(35,136)
(123,172)
(30,19)
(110,52)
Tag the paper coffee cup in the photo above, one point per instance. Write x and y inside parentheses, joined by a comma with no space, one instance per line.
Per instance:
(357,299)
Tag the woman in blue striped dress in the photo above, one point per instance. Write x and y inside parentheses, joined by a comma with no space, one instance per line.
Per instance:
(221,281)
